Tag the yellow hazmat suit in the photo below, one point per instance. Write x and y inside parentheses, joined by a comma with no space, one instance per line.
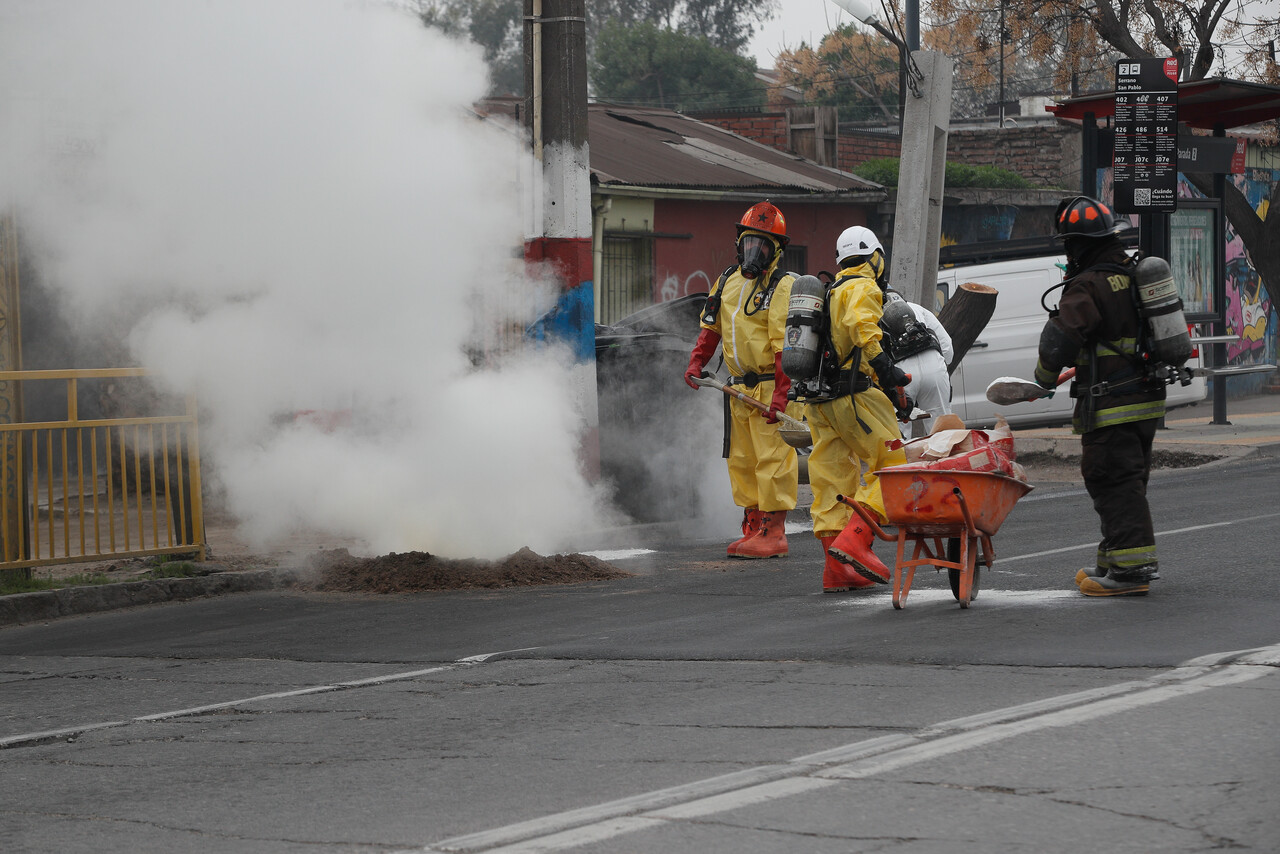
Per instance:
(763,468)
(850,432)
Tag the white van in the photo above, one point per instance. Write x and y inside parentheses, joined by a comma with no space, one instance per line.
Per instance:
(1009,344)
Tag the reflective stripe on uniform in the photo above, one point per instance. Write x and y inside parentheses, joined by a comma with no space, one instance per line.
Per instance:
(1113,415)
(1123,346)
(1127,560)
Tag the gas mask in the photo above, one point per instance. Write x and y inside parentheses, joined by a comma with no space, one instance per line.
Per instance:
(1082,252)
(755,254)
(1074,248)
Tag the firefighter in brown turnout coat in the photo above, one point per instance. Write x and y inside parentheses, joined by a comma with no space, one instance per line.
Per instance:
(1098,329)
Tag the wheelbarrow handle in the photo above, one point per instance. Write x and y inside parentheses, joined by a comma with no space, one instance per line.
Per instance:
(711,382)
(866,517)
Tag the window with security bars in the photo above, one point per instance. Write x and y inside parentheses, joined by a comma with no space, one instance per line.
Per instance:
(795,259)
(626,277)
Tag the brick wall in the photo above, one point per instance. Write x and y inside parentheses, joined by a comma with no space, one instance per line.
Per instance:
(1046,155)
(859,147)
(767,128)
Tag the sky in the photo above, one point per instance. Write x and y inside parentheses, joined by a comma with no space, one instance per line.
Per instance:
(796,21)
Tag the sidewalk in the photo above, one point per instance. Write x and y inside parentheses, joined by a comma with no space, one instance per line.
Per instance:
(1252,423)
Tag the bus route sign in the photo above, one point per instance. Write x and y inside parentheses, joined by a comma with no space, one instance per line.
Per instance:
(1145,159)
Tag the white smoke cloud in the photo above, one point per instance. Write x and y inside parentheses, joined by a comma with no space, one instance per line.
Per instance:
(286,205)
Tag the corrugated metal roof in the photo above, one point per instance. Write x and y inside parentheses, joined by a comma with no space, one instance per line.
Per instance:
(647,147)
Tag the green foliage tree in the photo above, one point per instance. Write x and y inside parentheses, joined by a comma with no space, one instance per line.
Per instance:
(646,64)
(884,170)
(495,25)
(727,24)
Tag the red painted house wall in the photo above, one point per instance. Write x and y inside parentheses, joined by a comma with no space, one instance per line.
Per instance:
(691,265)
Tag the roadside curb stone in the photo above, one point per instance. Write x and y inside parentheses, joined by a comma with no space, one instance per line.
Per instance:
(1068,448)
(44,605)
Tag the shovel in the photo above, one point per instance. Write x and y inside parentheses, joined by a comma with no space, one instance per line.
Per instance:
(794,433)
(1004,391)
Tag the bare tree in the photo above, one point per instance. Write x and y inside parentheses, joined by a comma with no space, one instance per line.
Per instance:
(853,70)
(1084,36)
(1085,40)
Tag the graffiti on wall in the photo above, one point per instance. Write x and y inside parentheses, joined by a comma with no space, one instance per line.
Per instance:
(978,223)
(672,287)
(1250,313)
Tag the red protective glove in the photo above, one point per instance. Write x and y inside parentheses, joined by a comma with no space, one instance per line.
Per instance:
(902,402)
(781,385)
(703,350)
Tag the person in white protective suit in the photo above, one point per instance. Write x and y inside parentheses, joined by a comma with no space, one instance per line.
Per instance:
(921,347)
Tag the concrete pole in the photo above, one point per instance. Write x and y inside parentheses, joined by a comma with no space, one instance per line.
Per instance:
(917,227)
(555,34)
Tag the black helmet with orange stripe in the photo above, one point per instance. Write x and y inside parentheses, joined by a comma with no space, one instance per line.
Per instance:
(1082,216)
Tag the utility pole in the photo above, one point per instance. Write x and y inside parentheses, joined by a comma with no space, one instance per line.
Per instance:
(1002,64)
(555,117)
(911,14)
(917,220)
(926,121)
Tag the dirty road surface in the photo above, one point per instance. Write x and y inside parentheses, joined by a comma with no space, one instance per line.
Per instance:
(695,703)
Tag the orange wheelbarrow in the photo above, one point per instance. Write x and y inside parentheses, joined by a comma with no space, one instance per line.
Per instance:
(964,508)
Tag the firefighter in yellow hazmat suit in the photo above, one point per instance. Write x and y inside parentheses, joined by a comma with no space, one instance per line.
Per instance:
(851,430)
(746,315)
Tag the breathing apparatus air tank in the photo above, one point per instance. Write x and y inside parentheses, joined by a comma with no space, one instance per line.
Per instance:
(802,346)
(904,334)
(1161,307)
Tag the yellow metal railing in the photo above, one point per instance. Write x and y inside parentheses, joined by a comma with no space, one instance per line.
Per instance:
(78,490)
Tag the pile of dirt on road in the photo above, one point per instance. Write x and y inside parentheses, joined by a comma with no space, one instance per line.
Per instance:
(411,572)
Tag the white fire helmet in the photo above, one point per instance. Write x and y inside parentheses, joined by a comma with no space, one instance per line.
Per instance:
(857,240)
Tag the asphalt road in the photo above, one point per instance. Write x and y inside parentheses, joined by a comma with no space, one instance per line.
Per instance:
(700,705)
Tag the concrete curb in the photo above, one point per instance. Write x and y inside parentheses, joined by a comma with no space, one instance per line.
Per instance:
(44,605)
(1068,448)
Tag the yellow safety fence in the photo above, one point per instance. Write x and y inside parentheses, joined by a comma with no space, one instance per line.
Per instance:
(93,489)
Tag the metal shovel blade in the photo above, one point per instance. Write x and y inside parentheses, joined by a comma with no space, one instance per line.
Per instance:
(1004,391)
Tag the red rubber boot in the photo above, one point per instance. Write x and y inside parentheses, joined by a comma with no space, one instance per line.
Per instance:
(770,540)
(750,524)
(836,577)
(853,547)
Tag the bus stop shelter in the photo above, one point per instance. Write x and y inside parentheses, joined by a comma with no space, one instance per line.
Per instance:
(1215,104)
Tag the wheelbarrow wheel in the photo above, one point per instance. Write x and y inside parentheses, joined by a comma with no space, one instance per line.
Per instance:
(953,575)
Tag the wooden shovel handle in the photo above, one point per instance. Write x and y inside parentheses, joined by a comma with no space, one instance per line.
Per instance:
(750,401)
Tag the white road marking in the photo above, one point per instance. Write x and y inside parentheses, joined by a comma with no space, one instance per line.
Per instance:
(619,554)
(579,827)
(1093,545)
(922,595)
(31,738)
